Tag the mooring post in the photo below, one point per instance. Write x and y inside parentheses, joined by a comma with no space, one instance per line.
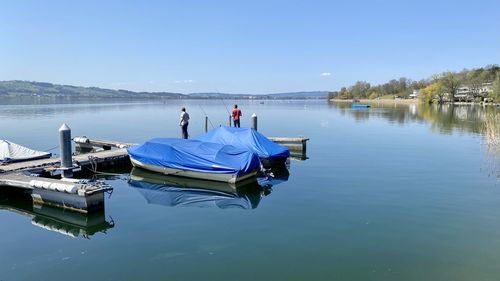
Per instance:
(206,123)
(66,155)
(254,121)
(229,121)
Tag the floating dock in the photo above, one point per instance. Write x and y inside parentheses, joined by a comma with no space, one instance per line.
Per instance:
(84,196)
(102,159)
(78,195)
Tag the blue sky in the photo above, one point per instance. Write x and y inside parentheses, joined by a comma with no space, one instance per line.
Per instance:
(242,47)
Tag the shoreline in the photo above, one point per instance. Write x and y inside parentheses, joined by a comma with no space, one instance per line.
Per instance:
(381,101)
(408,101)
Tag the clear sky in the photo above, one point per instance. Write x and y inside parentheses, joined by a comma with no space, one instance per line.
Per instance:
(242,46)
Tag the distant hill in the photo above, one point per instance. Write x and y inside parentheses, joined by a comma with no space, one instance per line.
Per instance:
(300,95)
(17,88)
(218,96)
(293,95)
(26,88)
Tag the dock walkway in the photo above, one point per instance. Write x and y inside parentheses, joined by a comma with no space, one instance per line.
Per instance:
(106,157)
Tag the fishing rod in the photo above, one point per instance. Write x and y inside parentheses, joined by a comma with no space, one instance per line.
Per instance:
(220,97)
(225,106)
(207,116)
(228,112)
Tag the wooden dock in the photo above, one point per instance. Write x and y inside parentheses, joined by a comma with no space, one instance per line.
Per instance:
(77,195)
(107,158)
(84,196)
(293,144)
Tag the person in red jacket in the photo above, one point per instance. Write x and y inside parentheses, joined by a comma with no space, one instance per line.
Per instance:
(236,116)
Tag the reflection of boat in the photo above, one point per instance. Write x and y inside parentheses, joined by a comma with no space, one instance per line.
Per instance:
(270,153)
(69,223)
(279,174)
(176,191)
(195,159)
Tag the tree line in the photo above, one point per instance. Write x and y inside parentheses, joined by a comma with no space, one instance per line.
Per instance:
(439,88)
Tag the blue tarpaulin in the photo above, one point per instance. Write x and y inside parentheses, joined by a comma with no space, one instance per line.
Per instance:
(249,138)
(195,155)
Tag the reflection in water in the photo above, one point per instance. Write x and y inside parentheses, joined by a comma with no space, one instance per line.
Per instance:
(65,222)
(447,118)
(491,131)
(279,174)
(443,118)
(42,110)
(177,191)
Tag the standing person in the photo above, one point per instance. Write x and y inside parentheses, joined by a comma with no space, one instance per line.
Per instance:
(184,122)
(236,116)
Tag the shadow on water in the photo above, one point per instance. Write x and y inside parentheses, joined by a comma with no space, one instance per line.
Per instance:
(175,191)
(69,223)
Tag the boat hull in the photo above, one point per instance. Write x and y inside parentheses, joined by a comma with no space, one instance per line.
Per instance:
(229,178)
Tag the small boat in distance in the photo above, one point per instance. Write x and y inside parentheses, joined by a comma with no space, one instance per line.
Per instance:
(195,159)
(270,153)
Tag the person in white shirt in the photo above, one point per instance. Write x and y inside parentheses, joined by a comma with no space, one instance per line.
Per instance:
(184,122)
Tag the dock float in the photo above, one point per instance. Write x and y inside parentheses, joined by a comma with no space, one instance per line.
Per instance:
(294,144)
(77,195)
(103,159)
(68,223)
(38,177)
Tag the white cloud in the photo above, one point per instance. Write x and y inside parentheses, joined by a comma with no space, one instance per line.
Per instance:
(187,81)
(325,74)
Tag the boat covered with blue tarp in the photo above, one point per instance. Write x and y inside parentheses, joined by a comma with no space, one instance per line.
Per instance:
(195,159)
(269,152)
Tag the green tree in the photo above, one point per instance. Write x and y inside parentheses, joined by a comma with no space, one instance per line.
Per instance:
(495,93)
(373,95)
(429,93)
(451,82)
(360,89)
(344,93)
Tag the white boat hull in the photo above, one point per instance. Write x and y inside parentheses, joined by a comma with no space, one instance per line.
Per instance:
(229,178)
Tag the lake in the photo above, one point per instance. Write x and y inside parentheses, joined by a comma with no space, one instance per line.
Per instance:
(395,192)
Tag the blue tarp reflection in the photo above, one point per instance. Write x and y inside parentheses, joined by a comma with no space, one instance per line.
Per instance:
(177,191)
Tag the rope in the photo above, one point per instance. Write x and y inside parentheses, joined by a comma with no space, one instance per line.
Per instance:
(47,150)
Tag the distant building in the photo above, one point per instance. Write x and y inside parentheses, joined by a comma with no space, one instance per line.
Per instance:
(470,93)
(414,94)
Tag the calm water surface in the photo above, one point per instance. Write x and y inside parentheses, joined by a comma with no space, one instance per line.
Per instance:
(388,193)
